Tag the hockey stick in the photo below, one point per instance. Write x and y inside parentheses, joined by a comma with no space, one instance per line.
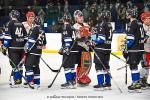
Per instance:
(118,57)
(105,68)
(49,66)
(50,85)
(16,68)
(126,75)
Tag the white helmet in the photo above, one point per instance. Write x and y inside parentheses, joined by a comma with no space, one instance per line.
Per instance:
(77,13)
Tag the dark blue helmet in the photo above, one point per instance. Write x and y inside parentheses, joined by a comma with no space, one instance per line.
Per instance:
(66,18)
(37,20)
(14,13)
(132,13)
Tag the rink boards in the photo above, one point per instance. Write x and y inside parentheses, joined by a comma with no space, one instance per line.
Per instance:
(54,42)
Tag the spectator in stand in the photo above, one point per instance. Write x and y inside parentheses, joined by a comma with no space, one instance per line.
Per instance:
(41,15)
(85,12)
(122,15)
(93,14)
(114,13)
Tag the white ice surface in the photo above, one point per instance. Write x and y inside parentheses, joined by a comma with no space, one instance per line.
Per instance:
(54,60)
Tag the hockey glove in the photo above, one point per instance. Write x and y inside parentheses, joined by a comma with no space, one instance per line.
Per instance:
(100,39)
(64,50)
(4,49)
(130,40)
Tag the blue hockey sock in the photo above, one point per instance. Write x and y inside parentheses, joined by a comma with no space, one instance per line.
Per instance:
(68,74)
(16,75)
(107,76)
(135,75)
(37,79)
(73,73)
(100,77)
(29,75)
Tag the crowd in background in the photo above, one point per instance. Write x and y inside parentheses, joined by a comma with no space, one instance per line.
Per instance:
(51,11)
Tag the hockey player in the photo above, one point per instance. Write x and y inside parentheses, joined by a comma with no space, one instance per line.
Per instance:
(14,41)
(135,47)
(69,65)
(28,24)
(82,35)
(33,50)
(103,49)
(144,72)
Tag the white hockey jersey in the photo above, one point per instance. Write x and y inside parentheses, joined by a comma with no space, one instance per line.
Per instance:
(147,44)
(27,27)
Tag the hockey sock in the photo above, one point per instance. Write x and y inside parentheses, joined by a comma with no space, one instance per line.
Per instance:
(100,77)
(37,79)
(16,75)
(29,75)
(135,75)
(68,74)
(73,73)
(21,71)
(107,79)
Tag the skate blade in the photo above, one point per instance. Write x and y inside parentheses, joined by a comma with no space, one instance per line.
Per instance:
(99,89)
(69,87)
(135,91)
(83,85)
(16,86)
(107,88)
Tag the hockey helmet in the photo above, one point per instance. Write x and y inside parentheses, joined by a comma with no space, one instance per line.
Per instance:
(66,18)
(37,20)
(145,15)
(131,12)
(14,13)
(77,13)
(30,14)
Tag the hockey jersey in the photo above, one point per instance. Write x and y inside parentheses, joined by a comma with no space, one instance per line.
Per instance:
(81,41)
(15,35)
(36,40)
(103,36)
(147,42)
(27,27)
(136,33)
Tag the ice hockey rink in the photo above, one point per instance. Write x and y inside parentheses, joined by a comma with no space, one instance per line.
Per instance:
(56,93)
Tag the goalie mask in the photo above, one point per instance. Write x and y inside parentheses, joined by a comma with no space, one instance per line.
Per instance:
(77,14)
